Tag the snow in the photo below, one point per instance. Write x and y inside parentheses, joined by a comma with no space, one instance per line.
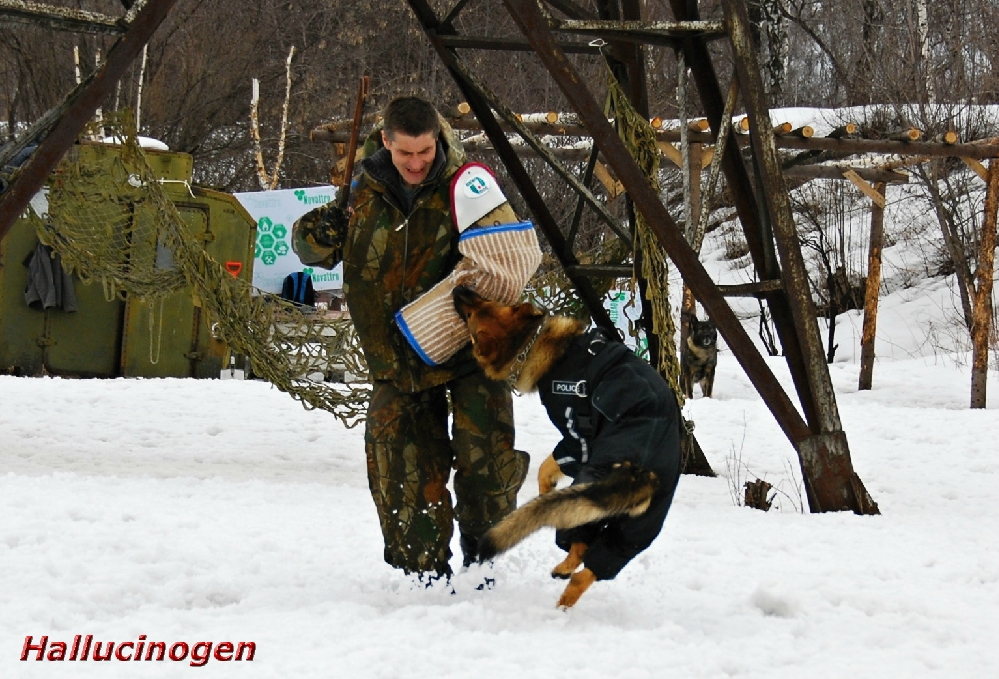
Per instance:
(221,510)
(144,142)
(196,511)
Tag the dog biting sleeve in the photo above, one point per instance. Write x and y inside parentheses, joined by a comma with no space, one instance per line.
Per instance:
(497,262)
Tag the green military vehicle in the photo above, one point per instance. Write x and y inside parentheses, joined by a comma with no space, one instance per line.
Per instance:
(112,334)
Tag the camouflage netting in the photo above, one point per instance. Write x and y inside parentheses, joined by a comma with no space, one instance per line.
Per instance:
(551,289)
(639,137)
(112,222)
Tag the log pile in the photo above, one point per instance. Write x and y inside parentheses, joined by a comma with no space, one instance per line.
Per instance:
(827,156)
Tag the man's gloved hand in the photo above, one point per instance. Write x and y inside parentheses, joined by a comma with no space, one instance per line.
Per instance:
(318,236)
(331,231)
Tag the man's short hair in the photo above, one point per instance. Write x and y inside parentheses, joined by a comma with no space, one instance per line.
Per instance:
(411,116)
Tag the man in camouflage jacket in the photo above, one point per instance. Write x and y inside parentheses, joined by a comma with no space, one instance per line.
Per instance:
(400,241)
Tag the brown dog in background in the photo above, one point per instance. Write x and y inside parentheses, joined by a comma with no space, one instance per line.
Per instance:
(699,357)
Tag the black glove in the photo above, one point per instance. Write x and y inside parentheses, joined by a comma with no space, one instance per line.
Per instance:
(318,236)
(331,230)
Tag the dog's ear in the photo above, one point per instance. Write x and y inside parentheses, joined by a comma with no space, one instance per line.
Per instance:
(528,311)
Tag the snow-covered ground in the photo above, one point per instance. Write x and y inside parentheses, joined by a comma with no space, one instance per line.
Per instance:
(192,511)
(222,511)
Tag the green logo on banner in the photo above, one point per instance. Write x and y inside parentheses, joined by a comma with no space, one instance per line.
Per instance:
(271,242)
(319,199)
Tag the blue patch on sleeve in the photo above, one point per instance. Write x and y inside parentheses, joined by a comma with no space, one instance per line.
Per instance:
(407,333)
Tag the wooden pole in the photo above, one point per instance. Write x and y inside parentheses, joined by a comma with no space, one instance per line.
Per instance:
(688,306)
(363,90)
(873,288)
(981,325)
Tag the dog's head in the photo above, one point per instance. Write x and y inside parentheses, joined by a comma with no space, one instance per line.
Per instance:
(703,333)
(498,331)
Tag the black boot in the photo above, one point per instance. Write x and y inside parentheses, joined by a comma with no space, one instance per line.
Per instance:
(469,549)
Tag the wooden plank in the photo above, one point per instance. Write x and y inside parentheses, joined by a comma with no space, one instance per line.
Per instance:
(836,172)
(613,186)
(866,188)
(976,166)
(671,152)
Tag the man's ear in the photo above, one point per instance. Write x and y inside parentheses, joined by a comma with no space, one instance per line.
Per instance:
(385,139)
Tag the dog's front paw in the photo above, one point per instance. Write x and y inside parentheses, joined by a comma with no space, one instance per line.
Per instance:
(564,570)
(578,584)
(572,561)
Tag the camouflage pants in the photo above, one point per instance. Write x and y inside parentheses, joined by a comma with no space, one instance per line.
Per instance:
(410,457)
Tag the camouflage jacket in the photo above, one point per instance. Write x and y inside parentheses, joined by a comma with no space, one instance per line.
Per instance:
(396,248)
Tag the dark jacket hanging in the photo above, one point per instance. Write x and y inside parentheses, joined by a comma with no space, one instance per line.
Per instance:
(49,286)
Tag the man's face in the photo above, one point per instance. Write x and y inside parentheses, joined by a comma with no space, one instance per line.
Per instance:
(412,156)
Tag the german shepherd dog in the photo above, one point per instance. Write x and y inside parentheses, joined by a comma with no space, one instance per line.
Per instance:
(699,357)
(625,466)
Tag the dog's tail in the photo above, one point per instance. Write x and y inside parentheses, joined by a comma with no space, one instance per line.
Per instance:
(626,490)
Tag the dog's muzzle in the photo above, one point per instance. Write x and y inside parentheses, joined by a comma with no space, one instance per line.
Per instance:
(463,297)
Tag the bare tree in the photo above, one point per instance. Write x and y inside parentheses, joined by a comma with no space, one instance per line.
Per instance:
(269,180)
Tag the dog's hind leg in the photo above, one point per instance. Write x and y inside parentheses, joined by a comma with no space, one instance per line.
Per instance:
(686,383)
(572,561)
(548,475)
(708,383)
(578,583)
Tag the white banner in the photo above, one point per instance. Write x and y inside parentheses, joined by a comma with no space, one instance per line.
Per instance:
(275,212)
(625,309)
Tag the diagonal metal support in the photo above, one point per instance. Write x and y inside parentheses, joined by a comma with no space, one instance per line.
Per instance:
(832,481)
(80,108)
(778,208)
(510,118)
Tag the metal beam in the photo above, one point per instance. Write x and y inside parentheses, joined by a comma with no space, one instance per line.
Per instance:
(66,130)
(508,44)
(665,33)
(830,481)
(571,9)
(778,206)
